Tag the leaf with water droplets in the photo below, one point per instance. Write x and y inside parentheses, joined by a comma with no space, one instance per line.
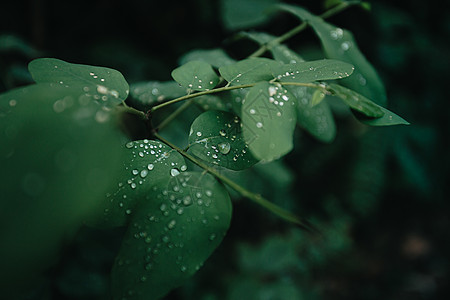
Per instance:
(196,76)
(309,71)
(249,71)
(214,57)
(54,169)
(317,119)
(144,161)
(371,113)
(268,119)
(216,137)
(175,229)
(357,101)
(212,102)
(146,94)
(102,84)
(340,44)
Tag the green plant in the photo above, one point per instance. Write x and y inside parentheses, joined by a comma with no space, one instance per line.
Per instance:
(65,143)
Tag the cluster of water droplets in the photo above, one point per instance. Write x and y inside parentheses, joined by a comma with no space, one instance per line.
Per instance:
(337,34)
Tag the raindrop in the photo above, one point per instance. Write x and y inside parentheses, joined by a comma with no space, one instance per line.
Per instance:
(171,224)
(345,46)
(133,185)
(212,237)
(222,133)
(199,133)
(208,193)
(224,148)
(150,167)
(187,201)
(252,111)
(135,172)
(144,173)
(129,145)
(183,168)
(174,172)
(259,125)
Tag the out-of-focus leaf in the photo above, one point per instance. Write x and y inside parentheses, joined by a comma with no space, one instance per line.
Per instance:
(214,57)
(239,14)
(146,94)
(173,232)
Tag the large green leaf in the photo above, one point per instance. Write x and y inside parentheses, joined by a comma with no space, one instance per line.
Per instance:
(146,94)
(144,162)
(216,137)
(248,71)
(196,76)
(268,118)
(357,101)
(309,71)
(317,119)
(102,84)
(173,232)
(214,57)
(58,153)
(339,44)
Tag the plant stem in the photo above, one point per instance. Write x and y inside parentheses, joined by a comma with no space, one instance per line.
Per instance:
(279,211)
(329,13)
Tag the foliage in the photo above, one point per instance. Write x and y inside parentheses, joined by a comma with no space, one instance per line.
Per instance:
(248,111)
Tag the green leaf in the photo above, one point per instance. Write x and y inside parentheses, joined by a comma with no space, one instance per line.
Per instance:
(309,71)
(317,119)
(103,84)
(216,137)
(212,102)
(144,162)
(339,44)
(248,71)
(174,231)
(238,14)
(388,119)
(214,57)
(196,76)
(279,52)
(58,153)
(357,101)
(146,94)
(268,118)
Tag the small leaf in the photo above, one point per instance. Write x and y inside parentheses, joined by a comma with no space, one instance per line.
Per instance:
(357,101)
(103,84)
(248,71)
(268,118)
(144,161)
(196,76)
(238,14)
(176,228)
(216,137)
(317,97)
(339,44)
(317,119)
(309,71)
(146,94)
(214,57)
(388,119)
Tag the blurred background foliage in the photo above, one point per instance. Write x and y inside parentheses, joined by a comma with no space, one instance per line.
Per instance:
(378,194)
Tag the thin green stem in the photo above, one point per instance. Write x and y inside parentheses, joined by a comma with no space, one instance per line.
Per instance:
(279,211)
(289,34)
(131,110)
(174,115)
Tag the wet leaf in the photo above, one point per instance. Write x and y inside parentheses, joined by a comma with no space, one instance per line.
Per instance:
(144,162)
(309,71)
(196,76)
(248,71)
(317,119)
(357,101)
(212,102)
(214,57)
(54,169)
(173,232)
(216,137)
(146,94)
(268,118)
(340,44)
(103,84)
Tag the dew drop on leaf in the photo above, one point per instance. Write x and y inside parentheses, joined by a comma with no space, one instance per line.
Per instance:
(174,172)
(224,148)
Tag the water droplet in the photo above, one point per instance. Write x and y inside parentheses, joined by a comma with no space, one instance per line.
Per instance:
(214,156)
(183,168)
(222,133)
(150,167)
(165,239)
(224,148)
(187,201)
(171,224)
(163,207)
(183,268)
(199,133)
(208,193)
(259,125)
(252,111)
(212,237)
(135,172)
(102,89)
(129,145)
(174,172)
(144,173)
(133,185)
(345,46)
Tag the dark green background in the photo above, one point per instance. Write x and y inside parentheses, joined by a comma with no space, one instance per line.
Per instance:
(386,185)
